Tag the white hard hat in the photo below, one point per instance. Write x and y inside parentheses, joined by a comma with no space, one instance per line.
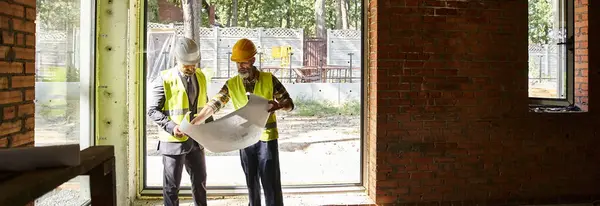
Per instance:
(186,51)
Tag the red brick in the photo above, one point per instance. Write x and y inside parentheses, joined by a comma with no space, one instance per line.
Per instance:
(4,22)
(17,10)
(7,97)
(29,94)
(22,81)
(8,37)
(6,8)
(21,139)
(29,68)
(30,123)
(17,29)
(3,82)
(472,54)
(29,40)
(23,26)
(30,13)
(29,3)
(9,112)
(11,68)
(20,39)
(26,109)
(25,53)
(581,54)
(9,127)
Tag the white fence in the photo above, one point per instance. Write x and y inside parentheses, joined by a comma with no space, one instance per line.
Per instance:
(216,44)
(547,69)
(344,48)
(55,48)
(337,93)
(545,61)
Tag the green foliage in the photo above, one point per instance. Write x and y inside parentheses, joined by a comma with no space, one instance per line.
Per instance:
(540,21)
(58,14)
(307,107)
(62,74)
(273,13)
(152,11)
(72,74)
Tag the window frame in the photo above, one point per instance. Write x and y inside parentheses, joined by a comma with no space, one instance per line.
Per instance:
(144,190)
(87,73)
(569,100)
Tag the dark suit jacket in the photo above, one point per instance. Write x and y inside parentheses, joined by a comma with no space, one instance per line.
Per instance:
(155,104)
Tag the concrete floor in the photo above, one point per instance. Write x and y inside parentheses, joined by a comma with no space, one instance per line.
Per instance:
(299,200)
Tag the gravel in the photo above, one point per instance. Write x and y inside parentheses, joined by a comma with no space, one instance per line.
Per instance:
(62,197)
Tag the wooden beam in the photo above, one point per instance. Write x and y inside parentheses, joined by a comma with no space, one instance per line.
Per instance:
(20,189)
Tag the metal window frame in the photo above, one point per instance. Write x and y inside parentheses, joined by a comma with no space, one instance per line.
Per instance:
(87,80)
(569,12)
(153,192)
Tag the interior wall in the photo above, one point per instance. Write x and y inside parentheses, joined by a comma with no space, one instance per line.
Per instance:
(448,116)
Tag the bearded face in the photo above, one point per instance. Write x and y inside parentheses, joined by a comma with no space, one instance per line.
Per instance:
(245,68)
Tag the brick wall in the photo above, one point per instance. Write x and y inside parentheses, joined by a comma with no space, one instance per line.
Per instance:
(17,73)
(168,12)
(581,53)
(448,115)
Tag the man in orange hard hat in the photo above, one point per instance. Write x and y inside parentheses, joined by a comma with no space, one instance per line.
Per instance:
(261,160)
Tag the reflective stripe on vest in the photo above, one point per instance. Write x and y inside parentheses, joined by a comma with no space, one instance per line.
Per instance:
(262,88)
(177,101)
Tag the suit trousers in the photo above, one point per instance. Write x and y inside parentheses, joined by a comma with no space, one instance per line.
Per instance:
(261,162)
(195,165)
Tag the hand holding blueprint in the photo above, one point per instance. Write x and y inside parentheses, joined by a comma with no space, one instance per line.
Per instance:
(234,131)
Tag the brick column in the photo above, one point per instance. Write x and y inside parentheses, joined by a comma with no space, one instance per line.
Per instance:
(17,73)
(581,54)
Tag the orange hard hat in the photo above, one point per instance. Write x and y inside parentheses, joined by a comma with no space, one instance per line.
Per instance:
(243,50)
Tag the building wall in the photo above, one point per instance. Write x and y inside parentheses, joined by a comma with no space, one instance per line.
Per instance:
(17,73)
(168,12)
(448,116)
(581,53)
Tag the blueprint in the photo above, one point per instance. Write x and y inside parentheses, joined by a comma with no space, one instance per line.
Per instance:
(234,131)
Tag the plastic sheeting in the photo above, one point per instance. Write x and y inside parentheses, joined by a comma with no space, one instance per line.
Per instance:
(234,131)
(159,52)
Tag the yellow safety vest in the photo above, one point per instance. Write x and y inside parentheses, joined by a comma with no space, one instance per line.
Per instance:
(177,101)
(263,88)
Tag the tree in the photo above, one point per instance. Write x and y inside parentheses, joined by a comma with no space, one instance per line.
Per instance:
(152,11)
(234,15)
(192,18)
(320,19)
(292,14)
(58,14)
(341,19)
(540,21)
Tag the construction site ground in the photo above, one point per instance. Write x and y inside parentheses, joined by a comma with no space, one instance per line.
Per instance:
(313,150)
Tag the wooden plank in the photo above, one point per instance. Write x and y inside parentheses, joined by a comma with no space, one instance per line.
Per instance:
(102,184)
(28,186)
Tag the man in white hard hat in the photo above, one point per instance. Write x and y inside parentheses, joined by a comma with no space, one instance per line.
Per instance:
(175,92)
